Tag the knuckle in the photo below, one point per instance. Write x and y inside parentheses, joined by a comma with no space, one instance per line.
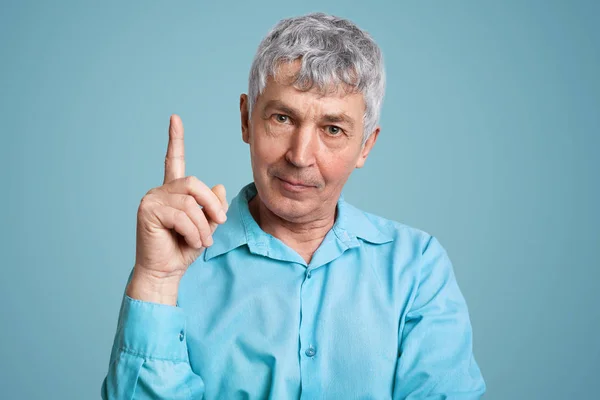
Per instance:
(189,202)
(145,209)
(145,202)
(179,215)
(191,180)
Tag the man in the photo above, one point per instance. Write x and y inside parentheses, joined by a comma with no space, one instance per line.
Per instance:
(294,293)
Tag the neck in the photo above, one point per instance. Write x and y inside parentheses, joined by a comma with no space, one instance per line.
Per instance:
(303,237)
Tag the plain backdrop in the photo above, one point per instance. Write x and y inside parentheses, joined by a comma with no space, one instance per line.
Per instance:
(489,141)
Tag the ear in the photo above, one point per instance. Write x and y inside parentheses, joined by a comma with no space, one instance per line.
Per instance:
(244,117)
(364,152)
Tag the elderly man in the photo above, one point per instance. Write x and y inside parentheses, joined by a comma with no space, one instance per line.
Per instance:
(291,292)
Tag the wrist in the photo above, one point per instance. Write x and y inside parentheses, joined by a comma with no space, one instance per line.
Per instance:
(145,287)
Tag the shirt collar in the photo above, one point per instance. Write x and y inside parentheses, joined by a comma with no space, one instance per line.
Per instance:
(240,228)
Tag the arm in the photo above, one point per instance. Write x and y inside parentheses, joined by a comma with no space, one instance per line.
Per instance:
(435,344)
(149,358)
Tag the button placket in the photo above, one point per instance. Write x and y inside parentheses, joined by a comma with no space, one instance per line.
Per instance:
(308,349)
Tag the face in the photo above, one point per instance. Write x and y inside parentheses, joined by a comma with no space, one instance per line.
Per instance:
(303,146)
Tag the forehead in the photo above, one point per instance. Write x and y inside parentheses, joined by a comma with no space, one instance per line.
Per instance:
(340,97)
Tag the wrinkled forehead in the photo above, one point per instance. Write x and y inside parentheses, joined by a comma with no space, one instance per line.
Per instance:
(287,73)
(286,85)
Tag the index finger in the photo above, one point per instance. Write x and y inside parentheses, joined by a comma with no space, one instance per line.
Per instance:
(175,159)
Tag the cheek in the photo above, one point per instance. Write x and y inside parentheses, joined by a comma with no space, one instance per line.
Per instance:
(336,168)
(266,149)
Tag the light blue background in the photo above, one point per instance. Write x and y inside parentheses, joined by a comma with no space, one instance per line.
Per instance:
(490,134)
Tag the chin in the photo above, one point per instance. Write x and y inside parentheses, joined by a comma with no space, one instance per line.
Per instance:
(285,207)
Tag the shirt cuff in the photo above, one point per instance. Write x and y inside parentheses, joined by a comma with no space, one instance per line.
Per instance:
(152,330)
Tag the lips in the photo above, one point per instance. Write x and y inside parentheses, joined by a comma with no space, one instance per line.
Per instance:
(294,182)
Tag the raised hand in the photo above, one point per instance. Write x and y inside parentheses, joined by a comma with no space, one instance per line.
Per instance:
(175,222)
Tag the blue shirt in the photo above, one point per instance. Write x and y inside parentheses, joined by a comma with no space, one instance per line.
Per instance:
(376,314)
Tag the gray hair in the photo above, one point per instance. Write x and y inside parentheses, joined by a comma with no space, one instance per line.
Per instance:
(332,51)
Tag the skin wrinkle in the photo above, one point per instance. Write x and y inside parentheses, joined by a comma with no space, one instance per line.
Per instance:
(291,136)
(332,51)
(337,118)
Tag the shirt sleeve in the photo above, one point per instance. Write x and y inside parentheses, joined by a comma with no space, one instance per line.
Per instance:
(149,357)
(435,342)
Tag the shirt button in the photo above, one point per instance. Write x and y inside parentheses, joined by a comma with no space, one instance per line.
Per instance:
(310,352)
(308,274)
(181,336)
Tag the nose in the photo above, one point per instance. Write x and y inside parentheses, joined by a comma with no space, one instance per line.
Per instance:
(303,147)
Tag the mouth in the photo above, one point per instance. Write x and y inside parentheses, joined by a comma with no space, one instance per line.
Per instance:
(293,185)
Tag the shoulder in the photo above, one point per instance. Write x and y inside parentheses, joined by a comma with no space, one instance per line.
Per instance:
(398,235)
(412,251)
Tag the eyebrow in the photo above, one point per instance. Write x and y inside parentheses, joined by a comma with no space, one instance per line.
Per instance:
(337,118)
(281,106)
(332,118)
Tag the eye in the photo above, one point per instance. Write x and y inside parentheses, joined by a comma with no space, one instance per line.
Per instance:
(281,118)
(334,130)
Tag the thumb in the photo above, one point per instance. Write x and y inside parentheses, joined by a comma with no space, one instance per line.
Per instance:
(219,190)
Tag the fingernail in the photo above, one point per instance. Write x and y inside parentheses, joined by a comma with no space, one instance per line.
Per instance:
(222,216)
